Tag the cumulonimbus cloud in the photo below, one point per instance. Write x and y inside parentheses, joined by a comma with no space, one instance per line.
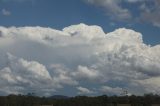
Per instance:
(45,60)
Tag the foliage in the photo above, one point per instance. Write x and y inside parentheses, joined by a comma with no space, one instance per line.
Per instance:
(31,100)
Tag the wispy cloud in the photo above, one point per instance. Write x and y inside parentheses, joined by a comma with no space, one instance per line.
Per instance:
(150,13)
(16,0)
(6,12)
(115,9)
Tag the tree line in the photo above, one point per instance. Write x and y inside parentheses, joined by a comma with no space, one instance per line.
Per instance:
(104,100)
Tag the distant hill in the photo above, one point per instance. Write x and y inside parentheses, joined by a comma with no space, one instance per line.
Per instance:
(59,97)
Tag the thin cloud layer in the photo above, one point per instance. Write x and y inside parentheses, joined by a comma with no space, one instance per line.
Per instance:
(16,0)
(146,10)
(113,8)
(84,58)
(6,12)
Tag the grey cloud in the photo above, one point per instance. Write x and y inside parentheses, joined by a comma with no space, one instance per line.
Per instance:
(148,10)
(151,14)
(61,74)
(135,1)
(151,84)
(1,35)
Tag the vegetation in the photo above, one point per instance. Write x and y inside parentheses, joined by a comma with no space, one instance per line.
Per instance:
(30,100)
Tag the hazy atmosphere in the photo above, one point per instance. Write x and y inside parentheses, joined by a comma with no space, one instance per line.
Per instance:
(79,47)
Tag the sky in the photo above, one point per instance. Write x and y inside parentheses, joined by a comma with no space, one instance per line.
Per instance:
(140,15)
(79,47)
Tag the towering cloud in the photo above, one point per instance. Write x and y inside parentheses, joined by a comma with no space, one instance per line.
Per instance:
(82,57)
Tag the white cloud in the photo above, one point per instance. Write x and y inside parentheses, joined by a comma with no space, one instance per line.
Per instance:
(6,12)
(113,8)
(21,76)
(84,91)
(84,72)
(93,32)
(110,90)
(76,56)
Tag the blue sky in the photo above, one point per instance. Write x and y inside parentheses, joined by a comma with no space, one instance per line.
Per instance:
(61,13)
